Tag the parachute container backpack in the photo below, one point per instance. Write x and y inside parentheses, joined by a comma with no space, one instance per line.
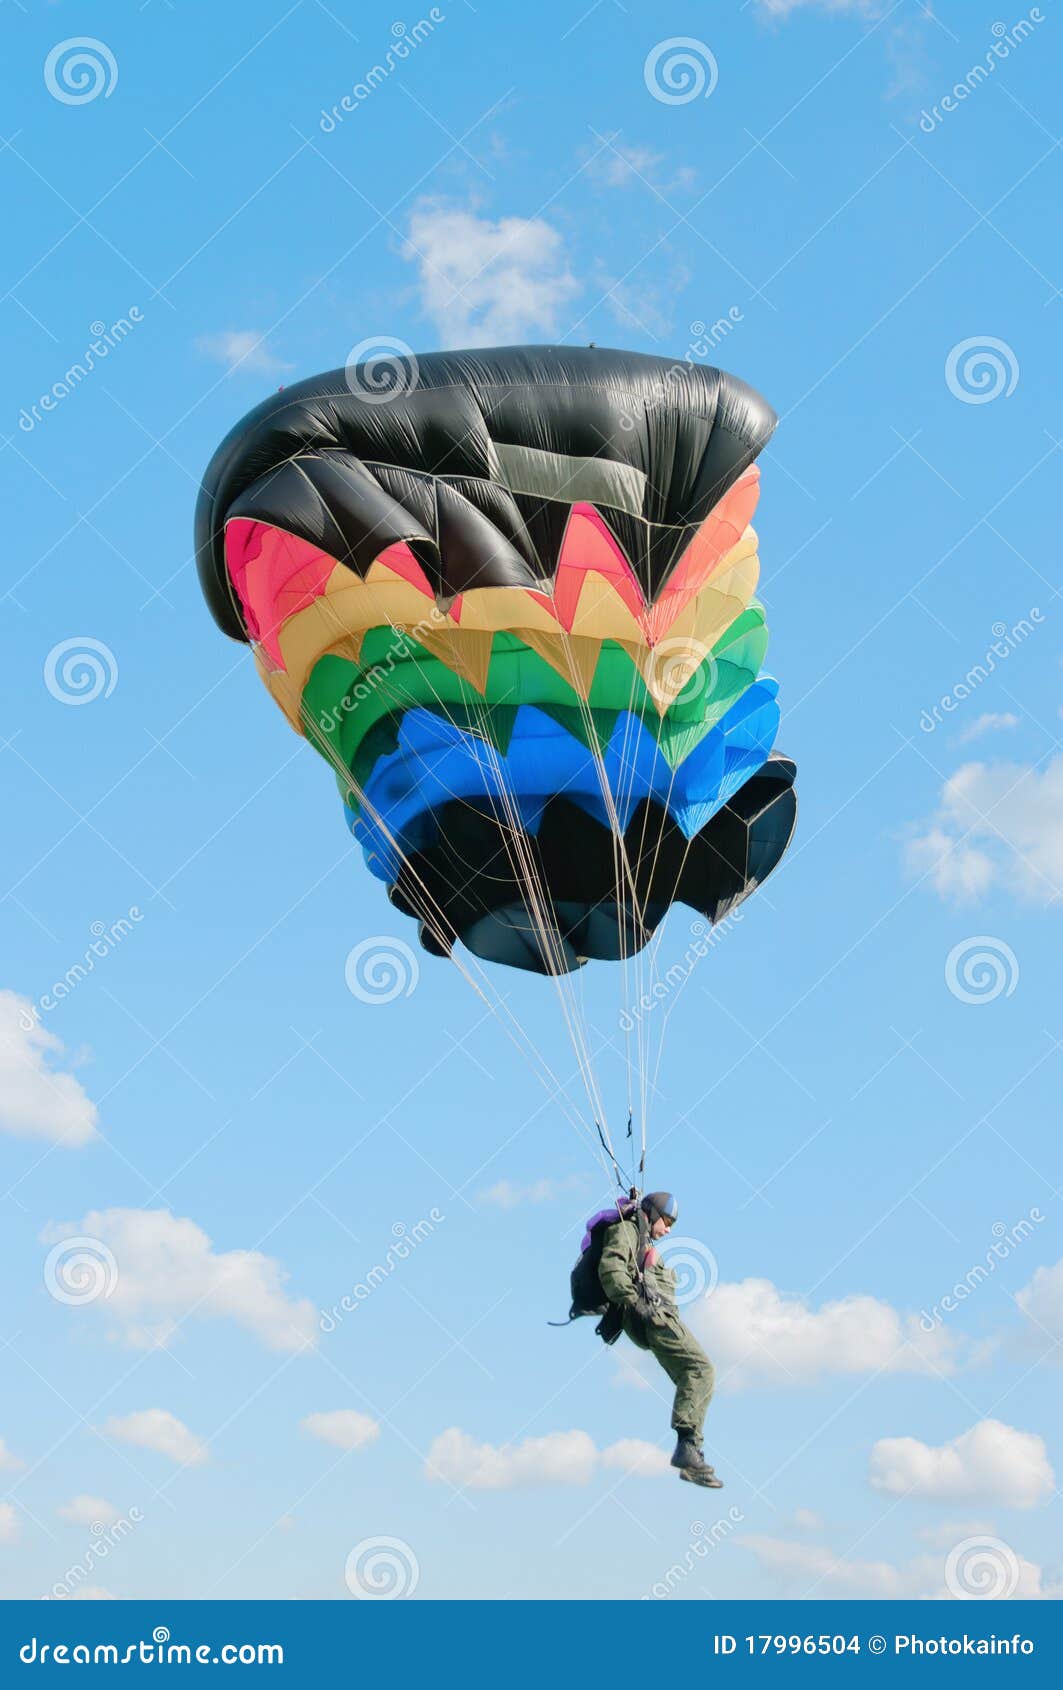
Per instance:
(588,1297)
(509,596)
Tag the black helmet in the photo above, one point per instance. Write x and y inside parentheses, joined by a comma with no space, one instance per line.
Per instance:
(660,1206)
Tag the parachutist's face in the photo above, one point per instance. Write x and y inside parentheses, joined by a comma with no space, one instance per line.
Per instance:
(660,1226)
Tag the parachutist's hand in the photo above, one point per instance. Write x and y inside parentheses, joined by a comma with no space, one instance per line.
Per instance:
(648,1308)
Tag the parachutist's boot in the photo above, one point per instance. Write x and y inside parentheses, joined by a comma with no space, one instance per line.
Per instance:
(692,1464)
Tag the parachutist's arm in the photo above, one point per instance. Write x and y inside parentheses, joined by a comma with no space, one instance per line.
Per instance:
(616,1270)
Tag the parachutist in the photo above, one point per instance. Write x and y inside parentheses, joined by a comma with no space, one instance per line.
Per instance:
(621,1276)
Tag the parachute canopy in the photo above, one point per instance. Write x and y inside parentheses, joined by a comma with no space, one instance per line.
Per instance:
(509,595)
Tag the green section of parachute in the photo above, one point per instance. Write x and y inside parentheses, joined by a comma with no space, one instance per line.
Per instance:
(352,711)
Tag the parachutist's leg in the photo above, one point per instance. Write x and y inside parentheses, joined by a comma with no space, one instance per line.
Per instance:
(689,1369)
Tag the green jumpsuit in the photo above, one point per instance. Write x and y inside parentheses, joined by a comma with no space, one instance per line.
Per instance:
(666,1338)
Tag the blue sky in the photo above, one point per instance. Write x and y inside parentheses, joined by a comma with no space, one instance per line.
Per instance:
(883,257)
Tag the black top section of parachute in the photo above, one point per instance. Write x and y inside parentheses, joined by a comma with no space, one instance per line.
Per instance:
(352,465)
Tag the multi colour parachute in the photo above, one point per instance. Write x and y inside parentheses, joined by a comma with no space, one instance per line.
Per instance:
(509,595)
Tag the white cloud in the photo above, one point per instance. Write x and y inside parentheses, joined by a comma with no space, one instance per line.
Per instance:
(997,824)
(944,1534)
(784,8)
(955,870)
(632,1455)
(989,1463)
(36,1099)
(7,1459)
(242,349)
(9,1523)
(646,299)
(167,1270)
(87,1510)
(343,1427)
(507,1194)
(159,1430)
(990,721)
(631,1368)
(808,1521)
(1042,1301)
(757,1334)
(484,283)
(560,1458)
(813,1564)
(619,166)
(813,1570)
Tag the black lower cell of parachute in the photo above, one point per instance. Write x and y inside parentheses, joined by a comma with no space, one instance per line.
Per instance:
(551,901)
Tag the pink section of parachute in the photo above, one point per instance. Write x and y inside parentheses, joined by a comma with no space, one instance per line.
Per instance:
(275,575)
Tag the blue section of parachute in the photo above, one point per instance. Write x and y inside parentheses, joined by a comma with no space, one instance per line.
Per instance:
(436,761)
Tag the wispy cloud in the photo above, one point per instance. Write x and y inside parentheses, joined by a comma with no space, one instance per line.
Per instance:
(160,1431)
(241,349)
(344,1428)
(617,165)
(991,721)
(484,283)
(508,1194)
